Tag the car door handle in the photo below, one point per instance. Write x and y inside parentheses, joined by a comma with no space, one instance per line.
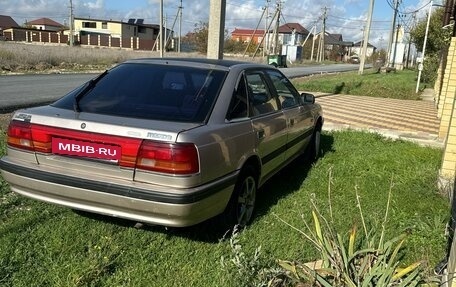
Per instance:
(260,134)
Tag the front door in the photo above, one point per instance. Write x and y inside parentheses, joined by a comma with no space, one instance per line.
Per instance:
(269,123)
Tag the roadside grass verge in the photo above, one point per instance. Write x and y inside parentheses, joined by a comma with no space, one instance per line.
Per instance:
(46,245)
(38,58)
(19,57)
(398,85)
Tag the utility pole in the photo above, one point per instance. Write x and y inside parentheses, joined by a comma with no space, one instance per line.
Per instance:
(317,57)
(366,38)
(263,39)
(265,45)
(323,33)
(71,36)
(161,29)
(165,27)
(254,33)
(393,27)
(275,48)
(410,42)
(217,12)
(398,29)
(180,27)
(313,43)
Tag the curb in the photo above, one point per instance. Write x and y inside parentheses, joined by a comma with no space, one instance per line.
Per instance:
(423,139)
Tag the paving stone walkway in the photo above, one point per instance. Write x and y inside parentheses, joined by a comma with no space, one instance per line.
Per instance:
(406,119)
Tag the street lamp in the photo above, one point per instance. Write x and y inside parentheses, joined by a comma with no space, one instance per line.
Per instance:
(420,65)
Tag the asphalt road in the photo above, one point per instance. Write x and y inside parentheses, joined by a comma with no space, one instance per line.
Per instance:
(30,90)
(26,90)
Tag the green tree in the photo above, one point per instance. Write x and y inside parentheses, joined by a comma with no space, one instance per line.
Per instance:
(437,36)
(199,37)
(438,39)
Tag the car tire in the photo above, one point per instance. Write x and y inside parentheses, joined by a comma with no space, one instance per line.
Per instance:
(241,206)
(315,145)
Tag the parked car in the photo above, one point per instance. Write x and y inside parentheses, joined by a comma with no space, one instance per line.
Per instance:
(163,141)
(354,60)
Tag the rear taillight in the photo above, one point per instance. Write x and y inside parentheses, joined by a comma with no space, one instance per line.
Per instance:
(175,158)
(171,158)
(22,135)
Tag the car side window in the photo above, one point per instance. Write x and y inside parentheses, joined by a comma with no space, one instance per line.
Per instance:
(288,96)
(239,102)
(263,101)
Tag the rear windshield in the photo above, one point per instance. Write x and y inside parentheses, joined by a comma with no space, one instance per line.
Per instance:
(158,92)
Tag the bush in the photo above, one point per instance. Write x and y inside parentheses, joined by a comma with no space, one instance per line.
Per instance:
(430,67)
(366,261)
(245,269)
(362,259)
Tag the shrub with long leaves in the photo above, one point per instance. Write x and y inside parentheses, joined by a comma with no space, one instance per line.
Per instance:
(247,269)
(364,259)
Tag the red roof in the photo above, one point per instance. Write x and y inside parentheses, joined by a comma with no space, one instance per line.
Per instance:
(247,32)
(45,22)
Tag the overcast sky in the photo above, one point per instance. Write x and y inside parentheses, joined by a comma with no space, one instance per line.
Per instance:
(346,17)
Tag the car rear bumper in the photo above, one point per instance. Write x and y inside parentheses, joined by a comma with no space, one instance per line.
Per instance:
(179,207)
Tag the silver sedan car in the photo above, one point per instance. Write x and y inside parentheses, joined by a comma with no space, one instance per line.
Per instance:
(163,141)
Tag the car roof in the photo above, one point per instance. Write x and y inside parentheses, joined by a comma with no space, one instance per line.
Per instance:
(195,61)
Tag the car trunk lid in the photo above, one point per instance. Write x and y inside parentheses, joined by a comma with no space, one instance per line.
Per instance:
(108,146)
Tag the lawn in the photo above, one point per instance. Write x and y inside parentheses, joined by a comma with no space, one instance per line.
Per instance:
(46,245)
(397,85)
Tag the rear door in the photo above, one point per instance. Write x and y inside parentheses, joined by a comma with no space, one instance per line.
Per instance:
(298,116)
(269,123)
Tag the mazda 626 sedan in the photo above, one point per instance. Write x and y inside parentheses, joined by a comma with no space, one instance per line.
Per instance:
(163,141)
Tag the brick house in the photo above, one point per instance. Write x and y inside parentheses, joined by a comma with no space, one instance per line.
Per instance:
(292,34)
(6,22)
(336,48)
(357,47)
(245,35)
(45,24)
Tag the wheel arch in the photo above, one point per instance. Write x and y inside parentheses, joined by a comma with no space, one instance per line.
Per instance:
(253,162)
(319,123)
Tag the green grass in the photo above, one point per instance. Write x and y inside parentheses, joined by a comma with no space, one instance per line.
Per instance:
(398,85)
(46,245)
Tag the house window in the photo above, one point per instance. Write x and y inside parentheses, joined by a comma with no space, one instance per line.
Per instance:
(89,24)
(104,25)
(142,30)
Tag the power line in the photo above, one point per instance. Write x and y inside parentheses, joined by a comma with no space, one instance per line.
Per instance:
(417,10)
(356,20)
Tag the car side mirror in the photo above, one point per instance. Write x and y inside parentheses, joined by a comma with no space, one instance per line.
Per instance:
(308,98)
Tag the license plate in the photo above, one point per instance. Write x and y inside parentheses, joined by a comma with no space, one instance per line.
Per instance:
(85,149)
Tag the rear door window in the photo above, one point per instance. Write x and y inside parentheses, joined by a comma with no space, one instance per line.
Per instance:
(262,99)
(239,106)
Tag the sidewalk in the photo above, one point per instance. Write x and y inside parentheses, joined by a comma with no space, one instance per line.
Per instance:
(399,119)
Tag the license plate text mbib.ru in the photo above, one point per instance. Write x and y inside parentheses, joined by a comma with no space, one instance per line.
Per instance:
(85,149)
